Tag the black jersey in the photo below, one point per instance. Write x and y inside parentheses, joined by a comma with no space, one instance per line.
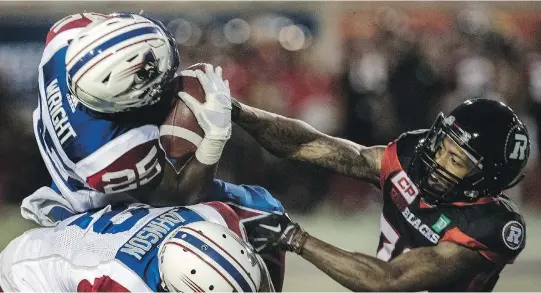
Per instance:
(490,225)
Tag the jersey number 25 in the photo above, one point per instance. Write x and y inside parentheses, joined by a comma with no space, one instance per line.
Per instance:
(128,179)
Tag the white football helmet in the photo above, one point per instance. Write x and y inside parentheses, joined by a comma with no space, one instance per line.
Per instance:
(204,257)
(121,62)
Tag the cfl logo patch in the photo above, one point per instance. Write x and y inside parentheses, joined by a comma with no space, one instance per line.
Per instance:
(519,151)
(405,186)
(513,235)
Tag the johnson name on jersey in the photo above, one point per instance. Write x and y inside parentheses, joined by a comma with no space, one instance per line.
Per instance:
(88,154)
(114,249)
(491,225)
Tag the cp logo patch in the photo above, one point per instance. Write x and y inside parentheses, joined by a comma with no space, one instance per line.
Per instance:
(405,186)
(513,235)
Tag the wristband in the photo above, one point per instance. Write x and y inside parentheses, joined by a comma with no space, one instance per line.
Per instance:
(209,151)
(298,246)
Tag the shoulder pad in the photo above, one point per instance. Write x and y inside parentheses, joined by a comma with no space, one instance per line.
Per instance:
(406,143)
(501,229)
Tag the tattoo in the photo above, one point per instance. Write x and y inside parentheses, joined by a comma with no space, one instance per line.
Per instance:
(297,140)
(344,157)
(426,268)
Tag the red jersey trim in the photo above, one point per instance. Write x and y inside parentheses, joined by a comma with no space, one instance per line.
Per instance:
(482,200)
(389,162)
(455,235)
(141,166)
(228,214)
(102,284)
(76,23)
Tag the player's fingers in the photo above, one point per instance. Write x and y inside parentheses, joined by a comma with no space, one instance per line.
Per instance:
(205,82)
(190,101)
(220,79)
(228,89)
(217,75)
(209,71)
(189,73)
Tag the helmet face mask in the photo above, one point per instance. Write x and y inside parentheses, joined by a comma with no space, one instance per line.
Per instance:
(478,150)
(447,142)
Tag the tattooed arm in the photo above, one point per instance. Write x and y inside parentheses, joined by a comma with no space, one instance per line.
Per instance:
(425,268)
(296,140)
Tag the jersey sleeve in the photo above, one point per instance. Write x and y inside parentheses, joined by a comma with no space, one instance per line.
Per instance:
(499,238)
(139,168)
(229,216)
(389,162)
(131,161)
(250,197)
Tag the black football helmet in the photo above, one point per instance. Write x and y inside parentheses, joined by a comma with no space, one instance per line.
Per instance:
(493,138)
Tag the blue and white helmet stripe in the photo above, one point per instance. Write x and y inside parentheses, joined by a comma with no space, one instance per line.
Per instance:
(127,36)
(200,245)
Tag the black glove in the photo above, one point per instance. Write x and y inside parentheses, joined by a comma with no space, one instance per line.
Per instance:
(271,231)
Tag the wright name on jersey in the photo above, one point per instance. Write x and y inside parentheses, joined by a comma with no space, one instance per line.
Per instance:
(92,157)
(491,225)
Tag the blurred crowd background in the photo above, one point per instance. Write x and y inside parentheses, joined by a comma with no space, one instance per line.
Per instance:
(366,71)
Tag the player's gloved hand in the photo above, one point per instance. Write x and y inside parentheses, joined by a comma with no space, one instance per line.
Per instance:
(214,116)
(275,230)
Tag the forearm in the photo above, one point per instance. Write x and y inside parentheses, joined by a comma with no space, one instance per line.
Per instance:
(354,271)
(279,135)
(194,180)
(189,186)
(421,269)
(296,140)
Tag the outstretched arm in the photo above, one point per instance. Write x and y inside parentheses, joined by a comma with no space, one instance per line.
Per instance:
(426,268)
(297,140)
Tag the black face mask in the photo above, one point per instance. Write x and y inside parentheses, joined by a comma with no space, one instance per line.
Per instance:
(437,184)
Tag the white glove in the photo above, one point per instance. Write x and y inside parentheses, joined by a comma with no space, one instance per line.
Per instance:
(214,116)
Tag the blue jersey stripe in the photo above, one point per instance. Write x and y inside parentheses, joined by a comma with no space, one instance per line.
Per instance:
(217,257)
(108,44)
(45,140)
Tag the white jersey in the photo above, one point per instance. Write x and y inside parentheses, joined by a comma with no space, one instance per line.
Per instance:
(91,157)
(113,249)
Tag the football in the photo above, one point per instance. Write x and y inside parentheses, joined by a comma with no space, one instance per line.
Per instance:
(180,134)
